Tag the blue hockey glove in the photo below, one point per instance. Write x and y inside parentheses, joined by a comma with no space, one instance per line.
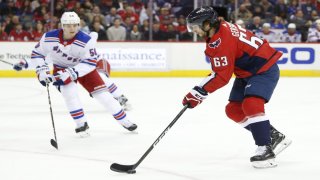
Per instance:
(44,76)
(23,64)
(195,97)
(65,76)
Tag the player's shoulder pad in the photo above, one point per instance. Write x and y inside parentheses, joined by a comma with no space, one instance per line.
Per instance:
(54,33)
(52,36)
(82,39)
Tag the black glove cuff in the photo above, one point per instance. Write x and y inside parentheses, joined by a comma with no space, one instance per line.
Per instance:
(201,90)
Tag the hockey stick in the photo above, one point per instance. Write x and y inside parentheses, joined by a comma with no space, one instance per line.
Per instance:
(54,141)
(131,169)
(6,62)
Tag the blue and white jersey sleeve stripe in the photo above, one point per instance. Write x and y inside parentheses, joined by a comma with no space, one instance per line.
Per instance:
(38,53)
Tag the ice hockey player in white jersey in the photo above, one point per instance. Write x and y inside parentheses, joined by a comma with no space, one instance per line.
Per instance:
(314,33)
(103,67)
(291,35)
(267,34)
(74,59)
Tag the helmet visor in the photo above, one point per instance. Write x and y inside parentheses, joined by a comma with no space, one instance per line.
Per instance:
(192,27)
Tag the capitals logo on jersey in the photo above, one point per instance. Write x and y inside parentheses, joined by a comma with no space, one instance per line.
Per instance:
(215,44)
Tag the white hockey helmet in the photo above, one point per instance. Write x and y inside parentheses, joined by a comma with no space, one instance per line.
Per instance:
(69,18)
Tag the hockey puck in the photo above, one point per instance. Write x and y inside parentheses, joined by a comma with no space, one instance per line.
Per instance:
(131,171)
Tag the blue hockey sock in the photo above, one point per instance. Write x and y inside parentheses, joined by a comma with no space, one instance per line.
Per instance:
(261,132)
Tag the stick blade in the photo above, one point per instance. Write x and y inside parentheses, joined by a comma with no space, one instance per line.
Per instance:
(54,143)
(123,168)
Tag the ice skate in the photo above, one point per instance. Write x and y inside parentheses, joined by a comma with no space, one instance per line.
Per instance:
(279,141)
(83,131)
(128,125)
(264,158)
(124,102)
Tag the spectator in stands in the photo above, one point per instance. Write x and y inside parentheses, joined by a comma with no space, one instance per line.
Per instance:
(292,8)
(171,34)
(3,34)
(18,34)
(314,33)
(267,8)
(38,31)
(157,34)
(109,18)
(307,8)
(116,32)
(135,35)
(184,7)
(291,34)
(257,10)
(255,25)
(88,6)
(96,27)
(176,7)
(164,15)
(137,6)
(277,23)
(129,12)
(47,22)
(281,9)
(128,25)
(144,29)
(107,5)
(100,20)
(164,23)
(314,15)
(82,15)
(182,30)
(247,4)
(96,15)
(26,10)
(59,9)
(243,13)
(11,23)
(266,33)
(9,9)
(40,11)
(301,23)
(146,13)
(35,4)
(84,27)
(240,23)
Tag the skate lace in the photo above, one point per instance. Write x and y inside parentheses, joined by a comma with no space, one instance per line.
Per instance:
(261,150)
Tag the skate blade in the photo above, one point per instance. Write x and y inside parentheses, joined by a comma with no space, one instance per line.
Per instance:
(282,146)
(270,163)
(83,134)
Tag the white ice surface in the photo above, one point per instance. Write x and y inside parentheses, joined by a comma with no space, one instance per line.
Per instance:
(203,145)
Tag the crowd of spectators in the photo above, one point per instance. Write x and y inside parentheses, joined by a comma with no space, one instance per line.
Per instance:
(128,20)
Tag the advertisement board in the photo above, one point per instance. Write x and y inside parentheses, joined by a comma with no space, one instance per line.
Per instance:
(155,59)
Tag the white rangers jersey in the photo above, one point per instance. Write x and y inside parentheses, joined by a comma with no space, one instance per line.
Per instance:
(286,37)
(270,37)
(79,53)
(313,35)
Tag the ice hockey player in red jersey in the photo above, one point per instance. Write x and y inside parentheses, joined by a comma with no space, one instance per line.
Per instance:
(232,49)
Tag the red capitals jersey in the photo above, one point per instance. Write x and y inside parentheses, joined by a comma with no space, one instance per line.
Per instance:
(234,49)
